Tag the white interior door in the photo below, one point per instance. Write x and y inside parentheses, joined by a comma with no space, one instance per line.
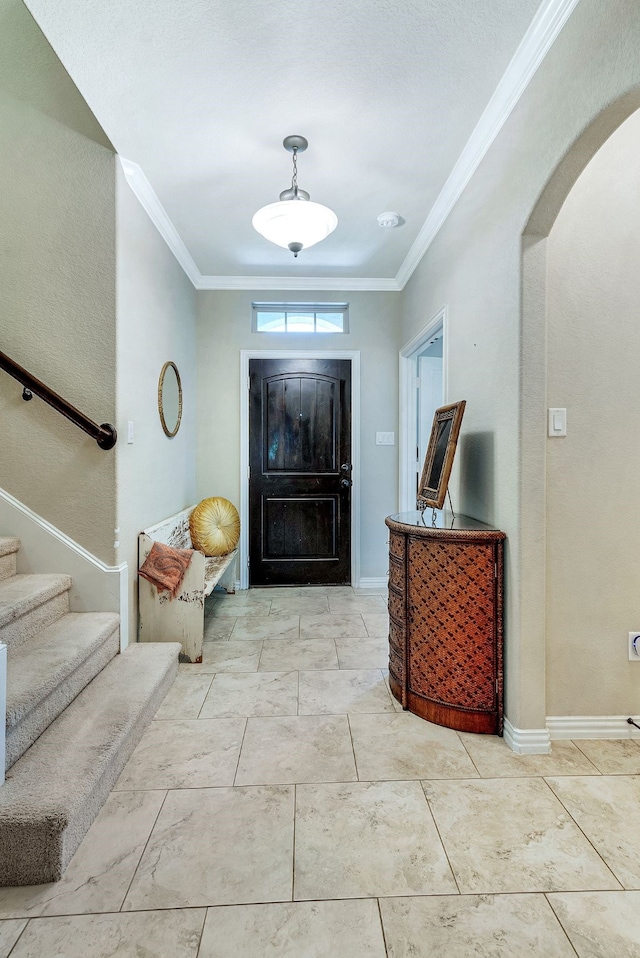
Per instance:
(429,397)
(423,388)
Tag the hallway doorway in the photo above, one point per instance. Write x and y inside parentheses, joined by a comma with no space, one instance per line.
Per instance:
(422,391)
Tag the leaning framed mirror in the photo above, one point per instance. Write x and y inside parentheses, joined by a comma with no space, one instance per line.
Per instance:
(170,399)
(440,452)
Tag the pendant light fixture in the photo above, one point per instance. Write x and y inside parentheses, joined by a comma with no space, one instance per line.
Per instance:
(295,222)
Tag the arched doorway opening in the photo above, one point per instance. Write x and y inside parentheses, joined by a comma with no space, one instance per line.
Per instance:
(578,347)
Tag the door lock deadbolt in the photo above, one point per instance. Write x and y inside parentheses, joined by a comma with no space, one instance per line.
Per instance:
(346,483)
(345,467)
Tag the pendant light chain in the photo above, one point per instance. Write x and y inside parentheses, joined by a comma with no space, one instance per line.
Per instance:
(294,178)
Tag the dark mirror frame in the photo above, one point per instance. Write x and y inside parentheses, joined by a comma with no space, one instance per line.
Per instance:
(438,461)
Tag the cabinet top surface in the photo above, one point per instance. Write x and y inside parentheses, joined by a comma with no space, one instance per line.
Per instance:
(418,523)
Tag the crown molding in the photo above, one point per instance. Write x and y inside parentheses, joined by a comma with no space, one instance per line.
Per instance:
(145,193)
(147,197)
(536,43)
(335,283)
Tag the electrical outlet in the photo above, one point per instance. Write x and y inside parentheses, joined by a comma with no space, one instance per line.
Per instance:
(634,646)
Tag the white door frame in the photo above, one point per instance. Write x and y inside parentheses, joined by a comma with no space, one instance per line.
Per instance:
(354,356)
(408,415)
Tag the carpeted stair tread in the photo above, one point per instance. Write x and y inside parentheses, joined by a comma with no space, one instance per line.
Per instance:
(37,667)
(8,544)
(53,793)
(22,593)
(46,673)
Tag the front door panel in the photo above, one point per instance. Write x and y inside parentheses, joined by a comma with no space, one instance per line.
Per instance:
(300,471)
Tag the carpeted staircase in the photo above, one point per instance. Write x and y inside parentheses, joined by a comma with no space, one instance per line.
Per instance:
(76,709)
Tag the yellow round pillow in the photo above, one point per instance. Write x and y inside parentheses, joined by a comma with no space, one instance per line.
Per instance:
(215,526)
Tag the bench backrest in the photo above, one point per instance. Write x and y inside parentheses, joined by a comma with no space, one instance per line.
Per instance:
(173,531)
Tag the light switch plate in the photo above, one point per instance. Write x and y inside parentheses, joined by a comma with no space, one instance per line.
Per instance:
(385,438)
(557,422)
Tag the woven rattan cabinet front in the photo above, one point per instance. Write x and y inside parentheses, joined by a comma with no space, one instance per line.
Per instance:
(445,615)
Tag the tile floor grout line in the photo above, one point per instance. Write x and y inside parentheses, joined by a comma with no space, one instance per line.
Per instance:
(14,945)
(204,924)
(146,843)
(213,675)
(435,825)
(335,645)
(235,622)
(557,917)
(293,844)
(384,936)
(582,832)
(575,742)
(353,748)
(441,894)
(199,715)
(480,775)
(386,687)
(244,733)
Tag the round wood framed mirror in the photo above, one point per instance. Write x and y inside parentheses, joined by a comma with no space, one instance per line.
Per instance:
(170,399)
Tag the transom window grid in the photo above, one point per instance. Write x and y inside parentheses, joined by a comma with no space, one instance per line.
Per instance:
(300,317)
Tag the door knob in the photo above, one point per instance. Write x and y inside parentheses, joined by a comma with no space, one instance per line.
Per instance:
(345,467)
(346,483)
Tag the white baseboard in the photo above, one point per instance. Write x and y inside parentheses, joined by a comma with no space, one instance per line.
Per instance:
(363,585)
(591,726)
(377,583)
(538,741)
(527,741)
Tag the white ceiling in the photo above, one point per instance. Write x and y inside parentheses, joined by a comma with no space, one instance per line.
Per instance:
(201,93)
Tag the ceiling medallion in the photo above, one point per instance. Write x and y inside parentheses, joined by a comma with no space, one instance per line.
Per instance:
(295,223)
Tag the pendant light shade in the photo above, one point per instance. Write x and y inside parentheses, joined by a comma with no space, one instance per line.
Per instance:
(295,223)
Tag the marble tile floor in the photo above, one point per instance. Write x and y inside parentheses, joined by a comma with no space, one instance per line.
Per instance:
(282,805)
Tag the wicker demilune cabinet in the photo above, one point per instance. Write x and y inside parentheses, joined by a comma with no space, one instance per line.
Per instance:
(445,620)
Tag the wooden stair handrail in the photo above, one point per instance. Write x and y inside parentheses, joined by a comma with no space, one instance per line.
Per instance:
(105,435)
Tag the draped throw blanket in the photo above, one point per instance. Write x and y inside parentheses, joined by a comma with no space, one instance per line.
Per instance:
(165,567)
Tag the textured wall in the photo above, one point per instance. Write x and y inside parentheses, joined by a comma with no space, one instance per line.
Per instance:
(593,520)
(474,266)
(224,328)
(57,286)
(156,323)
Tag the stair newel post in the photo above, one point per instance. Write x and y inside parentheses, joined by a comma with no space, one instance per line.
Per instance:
(3,707)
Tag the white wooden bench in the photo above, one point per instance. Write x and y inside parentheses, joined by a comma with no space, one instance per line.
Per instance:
(181,619)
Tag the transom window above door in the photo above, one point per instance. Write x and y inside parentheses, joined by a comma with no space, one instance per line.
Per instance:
(300,317)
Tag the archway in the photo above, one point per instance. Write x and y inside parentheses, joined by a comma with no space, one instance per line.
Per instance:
(537,596)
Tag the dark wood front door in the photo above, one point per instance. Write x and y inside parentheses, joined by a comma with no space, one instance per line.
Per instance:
(300,472)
